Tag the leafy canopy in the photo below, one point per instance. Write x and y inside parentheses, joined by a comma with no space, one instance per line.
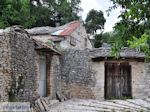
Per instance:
(31,13)
(95,21)
(134,24)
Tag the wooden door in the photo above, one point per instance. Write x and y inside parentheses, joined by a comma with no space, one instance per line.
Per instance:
(117,80)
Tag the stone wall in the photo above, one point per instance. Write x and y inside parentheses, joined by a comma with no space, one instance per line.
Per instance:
(78,78)
(140,80)
(147,77)
(5,69)
(98,89)
(84,78)
(17,66)
(81,37)
(77,40)
(55,79)
(23,67)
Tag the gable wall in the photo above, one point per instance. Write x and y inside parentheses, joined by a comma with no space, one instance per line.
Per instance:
(80,35)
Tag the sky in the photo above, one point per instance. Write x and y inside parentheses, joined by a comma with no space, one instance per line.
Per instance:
(102,5)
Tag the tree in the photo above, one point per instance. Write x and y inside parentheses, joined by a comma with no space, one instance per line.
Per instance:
(32,13)
(98,41)
(15,13)
(55,11)
(65,11)
(134,23)
(95,21)
(135,18)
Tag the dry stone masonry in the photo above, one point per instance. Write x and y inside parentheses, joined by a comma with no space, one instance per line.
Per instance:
(17,66)
(20,66)
(5,68)
(83,73)
(72,74)
(77,75)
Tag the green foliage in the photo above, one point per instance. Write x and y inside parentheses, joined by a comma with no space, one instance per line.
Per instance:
(98,40)
(95,21)
(106,37)
(101,38)
(110,37)
(115,50)
(15,13)
(141,44)
(52,44)
(28,14)
(68,10)
(133,27)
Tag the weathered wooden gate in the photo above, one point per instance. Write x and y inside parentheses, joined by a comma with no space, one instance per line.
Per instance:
(117,80)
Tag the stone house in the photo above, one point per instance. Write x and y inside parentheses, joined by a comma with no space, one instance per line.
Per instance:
(31,66)
(95,74)
(69,36)
(28,68)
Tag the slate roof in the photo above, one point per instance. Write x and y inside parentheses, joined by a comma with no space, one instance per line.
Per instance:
(41,30)
(47,38)
(125,53)
(64,30)
(39,45)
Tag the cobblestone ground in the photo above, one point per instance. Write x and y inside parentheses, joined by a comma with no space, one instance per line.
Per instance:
(78,105)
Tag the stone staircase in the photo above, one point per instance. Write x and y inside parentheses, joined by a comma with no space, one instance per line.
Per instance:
(78,105)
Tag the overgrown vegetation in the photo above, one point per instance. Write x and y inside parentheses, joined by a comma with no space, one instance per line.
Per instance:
(51,43)
(133,28)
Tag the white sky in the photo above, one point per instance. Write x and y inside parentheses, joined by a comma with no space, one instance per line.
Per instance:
(102,5)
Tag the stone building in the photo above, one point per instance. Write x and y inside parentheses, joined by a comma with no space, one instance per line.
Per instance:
(28,68)
(69,36)
(31,65)
(95,74)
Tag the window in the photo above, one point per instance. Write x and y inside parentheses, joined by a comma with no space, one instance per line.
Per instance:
(85,42)
(73,41)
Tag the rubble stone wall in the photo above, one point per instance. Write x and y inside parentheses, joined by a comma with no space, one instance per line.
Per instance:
(84,78)
(55,79)
(78,78)
(17,66)
(140,80)
(5,68)
(23,66)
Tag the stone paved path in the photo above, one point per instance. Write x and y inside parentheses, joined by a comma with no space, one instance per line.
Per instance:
(78,105)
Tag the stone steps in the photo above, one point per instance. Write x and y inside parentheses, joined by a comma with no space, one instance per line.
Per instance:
(78,105)
(129,105)
(140,102)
